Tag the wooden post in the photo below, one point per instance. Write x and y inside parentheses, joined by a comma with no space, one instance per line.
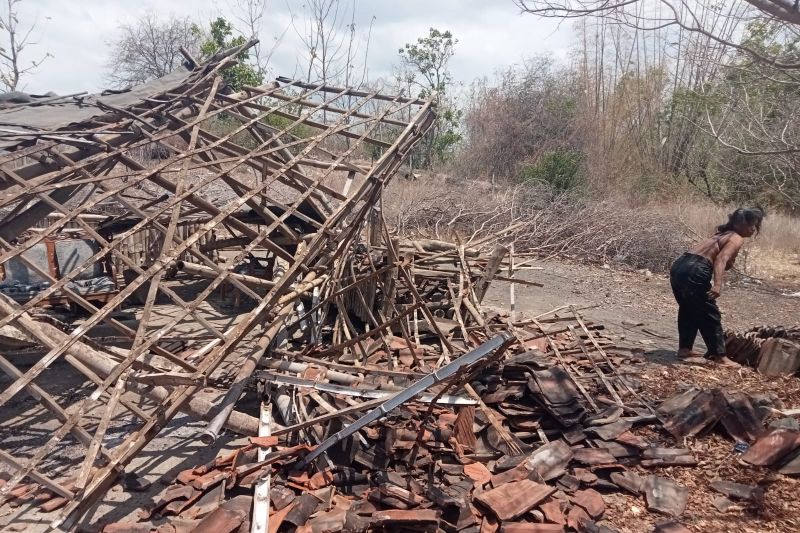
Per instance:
(492,266)
(260,519)
(511,296)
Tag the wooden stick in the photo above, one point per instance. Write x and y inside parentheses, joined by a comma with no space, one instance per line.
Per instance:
(99,434)
(611,390)
(261,497)
(570,371)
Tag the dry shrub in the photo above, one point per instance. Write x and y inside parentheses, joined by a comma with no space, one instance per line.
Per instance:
(537,219)
(529,110)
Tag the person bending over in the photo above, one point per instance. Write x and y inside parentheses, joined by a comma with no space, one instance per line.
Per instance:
(696,278)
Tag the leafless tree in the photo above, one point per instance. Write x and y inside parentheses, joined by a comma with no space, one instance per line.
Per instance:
(149,48)
(250,16)
(524,114)
(704,91)
(329,34)
(16,38)
(706,18)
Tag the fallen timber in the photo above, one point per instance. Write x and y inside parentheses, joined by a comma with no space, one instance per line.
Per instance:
(539,449)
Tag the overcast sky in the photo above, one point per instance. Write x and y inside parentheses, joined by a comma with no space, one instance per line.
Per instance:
(491,34)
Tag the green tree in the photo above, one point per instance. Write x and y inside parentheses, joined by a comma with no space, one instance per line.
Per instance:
(221,37)
(425,66)
(561,169)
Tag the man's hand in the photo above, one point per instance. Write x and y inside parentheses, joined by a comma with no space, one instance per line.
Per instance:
(714,292)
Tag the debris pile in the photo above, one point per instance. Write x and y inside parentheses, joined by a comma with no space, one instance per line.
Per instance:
(280,216)
(257,263)
(771,350)
(529,438)
(531,442)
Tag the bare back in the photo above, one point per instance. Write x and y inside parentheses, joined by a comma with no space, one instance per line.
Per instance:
(711,247)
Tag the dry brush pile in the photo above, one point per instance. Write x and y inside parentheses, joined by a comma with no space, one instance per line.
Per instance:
(537,220)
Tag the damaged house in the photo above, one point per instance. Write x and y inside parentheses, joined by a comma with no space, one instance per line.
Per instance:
(181,246)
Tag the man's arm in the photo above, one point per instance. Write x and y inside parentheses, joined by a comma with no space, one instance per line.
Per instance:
(724,258)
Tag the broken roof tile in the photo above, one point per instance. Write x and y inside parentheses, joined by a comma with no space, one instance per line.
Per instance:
(568,483)
(738,491)
(553,512)
(512,500)
(791,467)
(670,526)
(664,495)
(227,517)
(772,447)
(478,472)
(778,357)
(617,449)
(678,402)
(740,420)
(702,413)
(550,461)
(577,518)
(530,527)
(591,501)
(630,439)
(667,457)
(612,430)
(400,518)
(554,389)
(593,456)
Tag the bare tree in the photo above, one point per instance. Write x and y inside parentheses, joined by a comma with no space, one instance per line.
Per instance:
(16,39)
(527,112)
(250,15)
(711,19)
(330,37)
(703,91)
(149,48)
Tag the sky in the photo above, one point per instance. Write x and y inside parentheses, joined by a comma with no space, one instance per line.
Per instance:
(492,34)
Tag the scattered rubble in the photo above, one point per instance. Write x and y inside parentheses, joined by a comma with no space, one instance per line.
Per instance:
(390,398)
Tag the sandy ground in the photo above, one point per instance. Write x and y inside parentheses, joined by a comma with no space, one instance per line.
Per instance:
(622,298)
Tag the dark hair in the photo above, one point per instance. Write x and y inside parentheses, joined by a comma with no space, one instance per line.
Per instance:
(743,215)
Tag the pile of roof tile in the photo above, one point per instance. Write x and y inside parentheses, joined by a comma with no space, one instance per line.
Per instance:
(772,350)
(533,449)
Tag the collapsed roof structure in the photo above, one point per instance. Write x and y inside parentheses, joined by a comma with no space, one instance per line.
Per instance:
(218,186)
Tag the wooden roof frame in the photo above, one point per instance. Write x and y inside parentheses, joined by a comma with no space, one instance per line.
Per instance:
(44,174)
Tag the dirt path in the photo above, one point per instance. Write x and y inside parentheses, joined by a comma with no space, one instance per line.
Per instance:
(625,297)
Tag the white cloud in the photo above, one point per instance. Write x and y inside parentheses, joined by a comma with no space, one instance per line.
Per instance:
(491,35)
